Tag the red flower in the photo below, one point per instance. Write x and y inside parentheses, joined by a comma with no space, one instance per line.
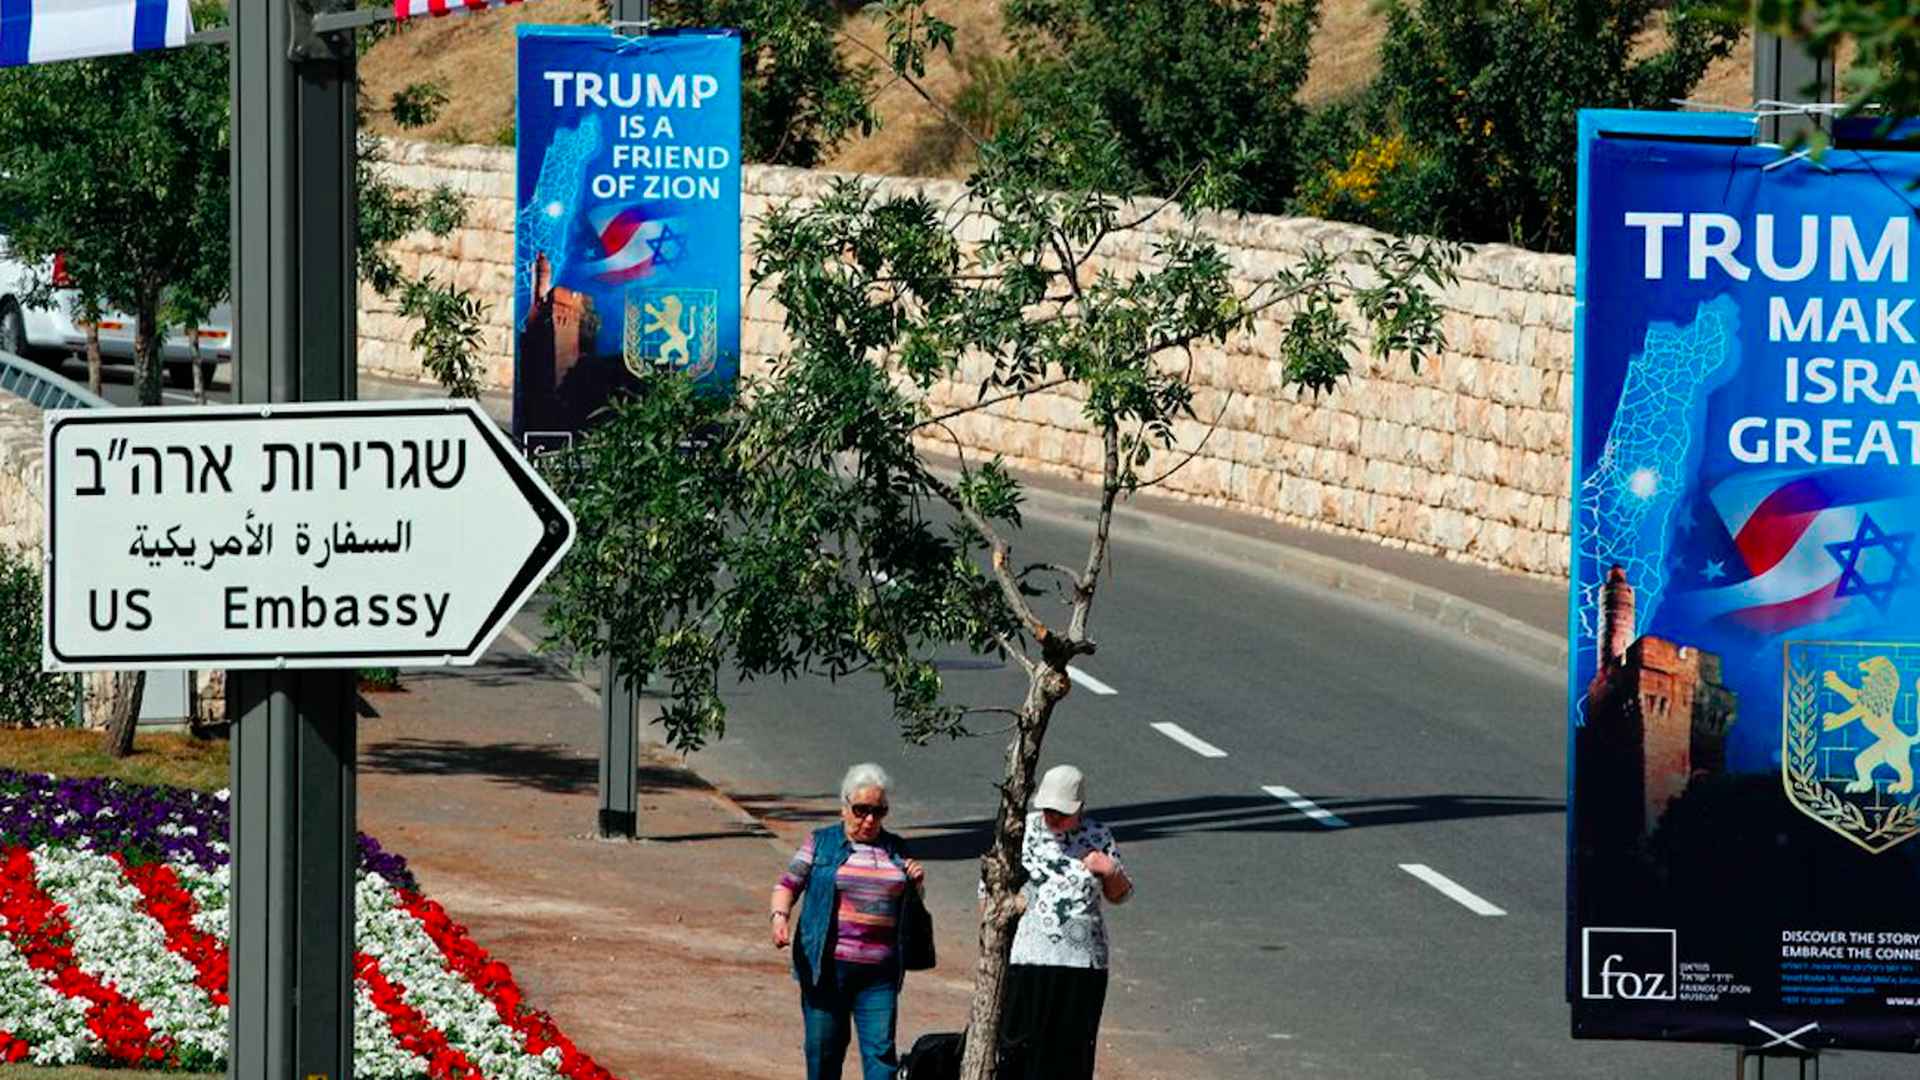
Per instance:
(410,1028)
(39,931)
(168,902)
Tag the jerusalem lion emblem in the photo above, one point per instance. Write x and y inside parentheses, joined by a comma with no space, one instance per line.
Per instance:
(1848,738)
(677,329)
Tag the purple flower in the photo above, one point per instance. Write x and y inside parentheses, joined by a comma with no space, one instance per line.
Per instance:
(142,823)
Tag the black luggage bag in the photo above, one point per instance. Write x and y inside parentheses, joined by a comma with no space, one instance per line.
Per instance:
(935,1056)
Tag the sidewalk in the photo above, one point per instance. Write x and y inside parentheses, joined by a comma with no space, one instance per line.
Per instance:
(653,955)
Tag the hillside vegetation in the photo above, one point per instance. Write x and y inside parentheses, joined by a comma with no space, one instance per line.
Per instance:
(473,58)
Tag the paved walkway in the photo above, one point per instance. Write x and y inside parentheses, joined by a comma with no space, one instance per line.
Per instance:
(653,955)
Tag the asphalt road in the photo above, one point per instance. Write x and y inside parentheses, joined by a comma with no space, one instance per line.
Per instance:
(1347,825)
(1349,852)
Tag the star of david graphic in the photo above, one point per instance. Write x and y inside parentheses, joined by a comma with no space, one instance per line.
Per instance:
(666,247)
(1848,552)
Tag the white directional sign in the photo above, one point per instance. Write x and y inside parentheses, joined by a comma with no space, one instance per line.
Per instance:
(322,535)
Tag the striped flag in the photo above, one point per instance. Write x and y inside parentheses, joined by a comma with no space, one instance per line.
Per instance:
(637,240)
(408,9)
(1803,551)
(41,31)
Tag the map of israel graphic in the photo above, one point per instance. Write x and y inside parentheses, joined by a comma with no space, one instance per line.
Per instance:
(1627,499)
(544,219)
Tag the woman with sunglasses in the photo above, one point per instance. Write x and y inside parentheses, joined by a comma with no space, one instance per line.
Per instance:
(848,939)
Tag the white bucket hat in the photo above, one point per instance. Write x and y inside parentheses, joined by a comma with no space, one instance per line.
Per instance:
(1063,788)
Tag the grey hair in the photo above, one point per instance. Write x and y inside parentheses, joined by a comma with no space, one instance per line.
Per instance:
(864,775)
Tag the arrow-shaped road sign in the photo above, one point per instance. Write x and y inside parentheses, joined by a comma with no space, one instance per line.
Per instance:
(257,536)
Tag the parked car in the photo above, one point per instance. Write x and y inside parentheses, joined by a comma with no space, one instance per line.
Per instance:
(53,331)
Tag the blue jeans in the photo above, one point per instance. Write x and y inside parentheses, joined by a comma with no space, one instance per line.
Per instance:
(864,994)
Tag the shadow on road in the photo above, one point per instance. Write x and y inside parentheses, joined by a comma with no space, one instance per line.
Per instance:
(1134,822)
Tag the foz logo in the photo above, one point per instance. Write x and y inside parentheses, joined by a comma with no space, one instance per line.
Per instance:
(1628,963)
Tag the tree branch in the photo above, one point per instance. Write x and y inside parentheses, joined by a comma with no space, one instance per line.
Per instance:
(985,403)
(946,114)
(998,552)
(1103,528)
(1072,576)
(1195,452)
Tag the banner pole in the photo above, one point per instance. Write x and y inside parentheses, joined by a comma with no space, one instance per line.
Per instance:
(619,803)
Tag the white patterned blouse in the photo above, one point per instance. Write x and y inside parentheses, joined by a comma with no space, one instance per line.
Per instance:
(1063,925)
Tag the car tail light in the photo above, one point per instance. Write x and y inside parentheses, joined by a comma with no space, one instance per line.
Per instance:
(61,279)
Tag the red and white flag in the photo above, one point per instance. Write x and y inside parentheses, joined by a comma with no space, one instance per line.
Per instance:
(635,240)
(408,9)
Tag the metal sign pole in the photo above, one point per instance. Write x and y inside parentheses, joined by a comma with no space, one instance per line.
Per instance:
(619,805)
(292,801)
(1785,71)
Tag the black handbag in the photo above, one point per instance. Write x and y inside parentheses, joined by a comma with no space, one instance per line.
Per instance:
(918,927)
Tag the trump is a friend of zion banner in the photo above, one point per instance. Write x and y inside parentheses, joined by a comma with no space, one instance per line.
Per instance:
(1745,617)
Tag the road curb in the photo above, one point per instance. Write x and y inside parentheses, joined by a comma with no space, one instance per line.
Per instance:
(1476,621)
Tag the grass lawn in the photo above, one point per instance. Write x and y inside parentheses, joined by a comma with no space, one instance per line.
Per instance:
(87,1073)
(177,760)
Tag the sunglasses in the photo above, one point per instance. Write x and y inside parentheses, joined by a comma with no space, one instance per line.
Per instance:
(870,810)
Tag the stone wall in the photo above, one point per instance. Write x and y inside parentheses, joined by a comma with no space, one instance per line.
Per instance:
(1467,458)
(22,479)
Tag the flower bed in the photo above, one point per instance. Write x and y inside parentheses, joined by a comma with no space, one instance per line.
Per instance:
(113,950)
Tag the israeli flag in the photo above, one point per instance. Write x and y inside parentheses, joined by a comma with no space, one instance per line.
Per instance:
(41,31)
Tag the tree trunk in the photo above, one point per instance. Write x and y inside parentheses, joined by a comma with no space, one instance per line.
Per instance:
(123,711)
(199,371)
(93,350)
(1003,874)
(146,350)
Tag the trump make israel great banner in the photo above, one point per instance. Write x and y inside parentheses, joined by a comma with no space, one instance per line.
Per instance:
(627,236)
(1745,625)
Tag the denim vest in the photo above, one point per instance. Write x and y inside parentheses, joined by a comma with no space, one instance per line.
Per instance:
(818,905)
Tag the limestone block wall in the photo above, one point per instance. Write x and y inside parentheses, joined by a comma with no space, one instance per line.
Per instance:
(23,523)
(1468,458)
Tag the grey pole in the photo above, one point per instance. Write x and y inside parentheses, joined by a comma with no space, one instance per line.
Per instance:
(1784,70)
(292,800)
(619,808)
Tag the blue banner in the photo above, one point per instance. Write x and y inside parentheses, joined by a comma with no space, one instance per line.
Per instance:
(1745,619)
(627,227)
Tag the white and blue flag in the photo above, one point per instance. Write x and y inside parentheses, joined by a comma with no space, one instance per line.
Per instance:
(41,31)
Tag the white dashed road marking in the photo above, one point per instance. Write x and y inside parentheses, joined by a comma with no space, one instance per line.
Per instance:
(1306,806)
(1451,889)
(1188,739)
(1092,684)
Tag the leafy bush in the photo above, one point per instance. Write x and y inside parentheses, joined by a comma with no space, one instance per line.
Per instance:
(29,697)
(1183,85)
(1470,130)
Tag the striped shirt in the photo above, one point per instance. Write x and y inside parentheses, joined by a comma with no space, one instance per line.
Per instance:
(867,916)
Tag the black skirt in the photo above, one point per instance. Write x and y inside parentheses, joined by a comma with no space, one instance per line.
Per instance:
(1050,1022)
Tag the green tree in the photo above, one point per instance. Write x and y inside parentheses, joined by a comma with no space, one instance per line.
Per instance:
(798,94)
(799,527)
(113,163)
(1472,130)
(1178,84)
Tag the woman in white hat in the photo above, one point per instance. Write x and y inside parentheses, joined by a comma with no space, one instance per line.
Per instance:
(1057,984)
